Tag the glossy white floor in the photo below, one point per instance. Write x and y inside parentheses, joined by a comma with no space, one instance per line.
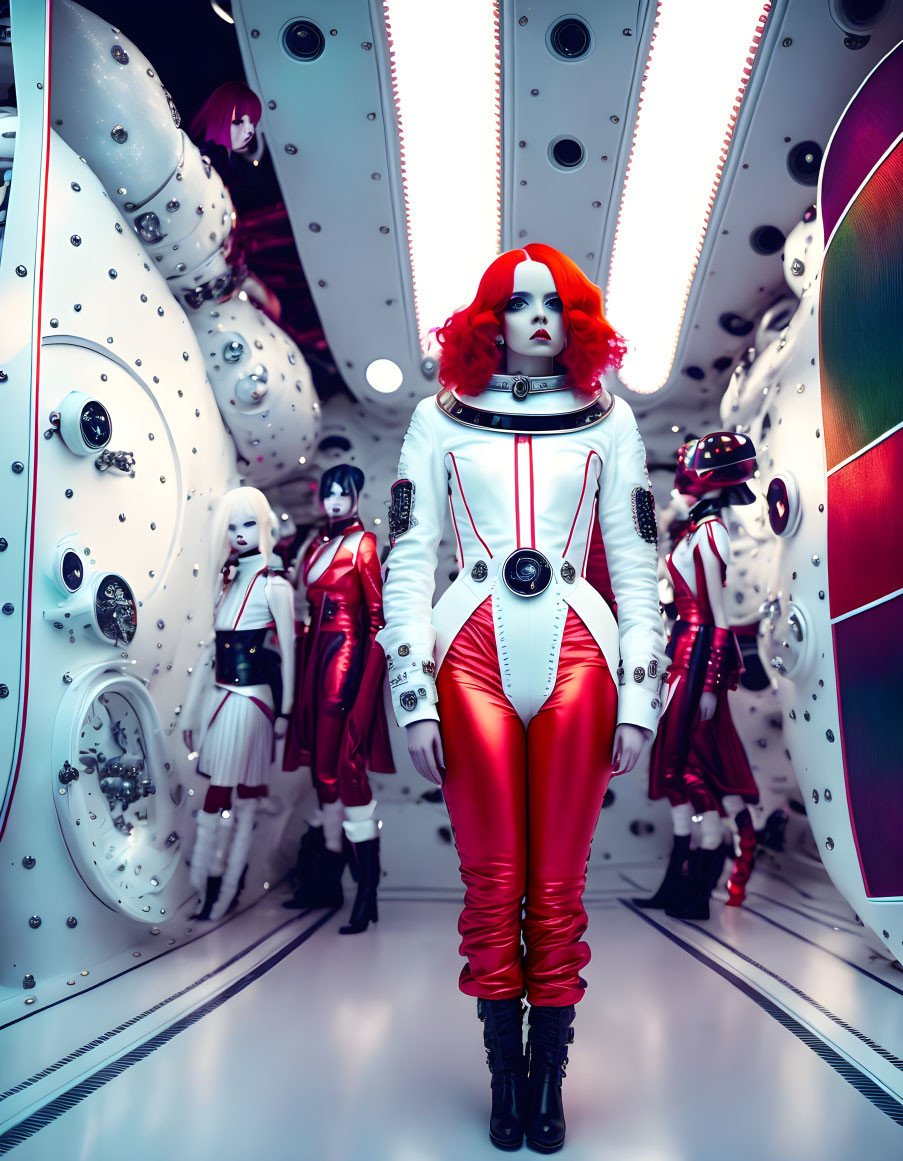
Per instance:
(770,1032)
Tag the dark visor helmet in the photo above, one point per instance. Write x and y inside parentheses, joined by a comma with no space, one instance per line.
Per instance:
(723,459)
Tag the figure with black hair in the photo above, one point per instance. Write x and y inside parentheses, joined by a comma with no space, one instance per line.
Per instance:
(698,761)
(338,724)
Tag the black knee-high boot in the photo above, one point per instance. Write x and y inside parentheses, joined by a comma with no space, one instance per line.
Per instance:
(503,1036)
(364,910)
(695,904)
(319,873)
(549,1035)
(673,888)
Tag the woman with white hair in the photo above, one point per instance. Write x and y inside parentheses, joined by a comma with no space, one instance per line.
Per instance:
(236,715)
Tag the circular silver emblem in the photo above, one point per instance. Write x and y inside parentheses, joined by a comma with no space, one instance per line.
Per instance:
(404,650)
(408,700)
(520,387)
(527,572)
(480,571)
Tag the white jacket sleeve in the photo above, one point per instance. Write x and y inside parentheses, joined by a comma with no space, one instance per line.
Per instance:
(629,534)
(416,517)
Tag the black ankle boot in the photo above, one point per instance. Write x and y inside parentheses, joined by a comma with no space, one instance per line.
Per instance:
(307,868)
(364,910)
(673,887)
(549,1035)
(503,1036)
(696,903)
(320,876)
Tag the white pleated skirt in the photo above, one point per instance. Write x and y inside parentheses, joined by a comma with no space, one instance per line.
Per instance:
(237,745)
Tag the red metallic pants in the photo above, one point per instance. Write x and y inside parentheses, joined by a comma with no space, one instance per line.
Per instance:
(524,805)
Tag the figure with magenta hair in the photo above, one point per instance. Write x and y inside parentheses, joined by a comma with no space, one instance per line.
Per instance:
(225,128)
(513,689)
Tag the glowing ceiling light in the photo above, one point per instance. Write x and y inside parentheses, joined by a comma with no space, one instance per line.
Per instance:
(384,376)
(446,81)
(689,105)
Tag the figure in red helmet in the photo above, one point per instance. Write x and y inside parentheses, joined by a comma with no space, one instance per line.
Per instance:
(698,761)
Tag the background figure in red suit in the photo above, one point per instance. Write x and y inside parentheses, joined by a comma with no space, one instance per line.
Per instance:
(338,723)
(526,453)
(698,761)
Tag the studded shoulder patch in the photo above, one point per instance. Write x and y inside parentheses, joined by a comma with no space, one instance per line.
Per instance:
(643,505)
(401,509)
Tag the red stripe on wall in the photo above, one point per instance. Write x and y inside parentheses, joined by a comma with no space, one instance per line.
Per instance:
(865,550)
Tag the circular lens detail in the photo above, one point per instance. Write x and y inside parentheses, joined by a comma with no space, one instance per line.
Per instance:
(96,425)
(804,162)
(527,572)
(734,324)
(569,38)
(71,571)
(859,15)
(566,153)
(783,499)
(302,40)
(766,240)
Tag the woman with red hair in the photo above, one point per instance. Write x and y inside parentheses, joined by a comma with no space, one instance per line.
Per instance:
(507,686)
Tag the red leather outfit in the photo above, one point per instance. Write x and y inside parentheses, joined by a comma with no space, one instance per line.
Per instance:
(338,659)
(524,805)
(692,760)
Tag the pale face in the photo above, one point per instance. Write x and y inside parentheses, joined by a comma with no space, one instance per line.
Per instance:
(338,504)
(244,533)
(534,330)
(241,131)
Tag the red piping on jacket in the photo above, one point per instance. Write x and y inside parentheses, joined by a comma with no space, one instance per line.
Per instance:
(589,535)
(466,506)
(247,594)
(579,505)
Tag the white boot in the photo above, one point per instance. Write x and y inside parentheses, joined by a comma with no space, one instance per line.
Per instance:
(244,811)
(360,824)
(203,854)
(333,813)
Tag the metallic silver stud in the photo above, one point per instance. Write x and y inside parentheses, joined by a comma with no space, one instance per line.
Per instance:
(119,134)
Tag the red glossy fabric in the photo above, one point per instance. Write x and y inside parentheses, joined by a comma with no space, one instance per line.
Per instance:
(524,805)
(346,614)
(692,760)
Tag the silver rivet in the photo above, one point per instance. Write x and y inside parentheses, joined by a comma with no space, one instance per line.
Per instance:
(119,134)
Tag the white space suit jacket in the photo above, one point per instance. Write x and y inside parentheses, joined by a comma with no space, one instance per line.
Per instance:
(531,472)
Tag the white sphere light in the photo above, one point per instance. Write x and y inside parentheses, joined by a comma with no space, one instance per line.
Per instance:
(384,376)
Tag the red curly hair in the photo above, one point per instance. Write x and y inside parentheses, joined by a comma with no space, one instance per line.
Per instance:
(469,352)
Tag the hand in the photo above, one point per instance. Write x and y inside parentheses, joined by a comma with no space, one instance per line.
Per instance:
(629,742)
(425,748)
(707,705)
(280,726)
(188,740)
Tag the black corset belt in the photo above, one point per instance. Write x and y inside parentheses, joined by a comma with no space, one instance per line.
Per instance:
(241,658)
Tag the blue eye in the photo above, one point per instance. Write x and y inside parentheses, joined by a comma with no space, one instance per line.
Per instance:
(553,302)
(515,303)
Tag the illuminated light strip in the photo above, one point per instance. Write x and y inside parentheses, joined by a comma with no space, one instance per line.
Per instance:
(680,147)
(449,128)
